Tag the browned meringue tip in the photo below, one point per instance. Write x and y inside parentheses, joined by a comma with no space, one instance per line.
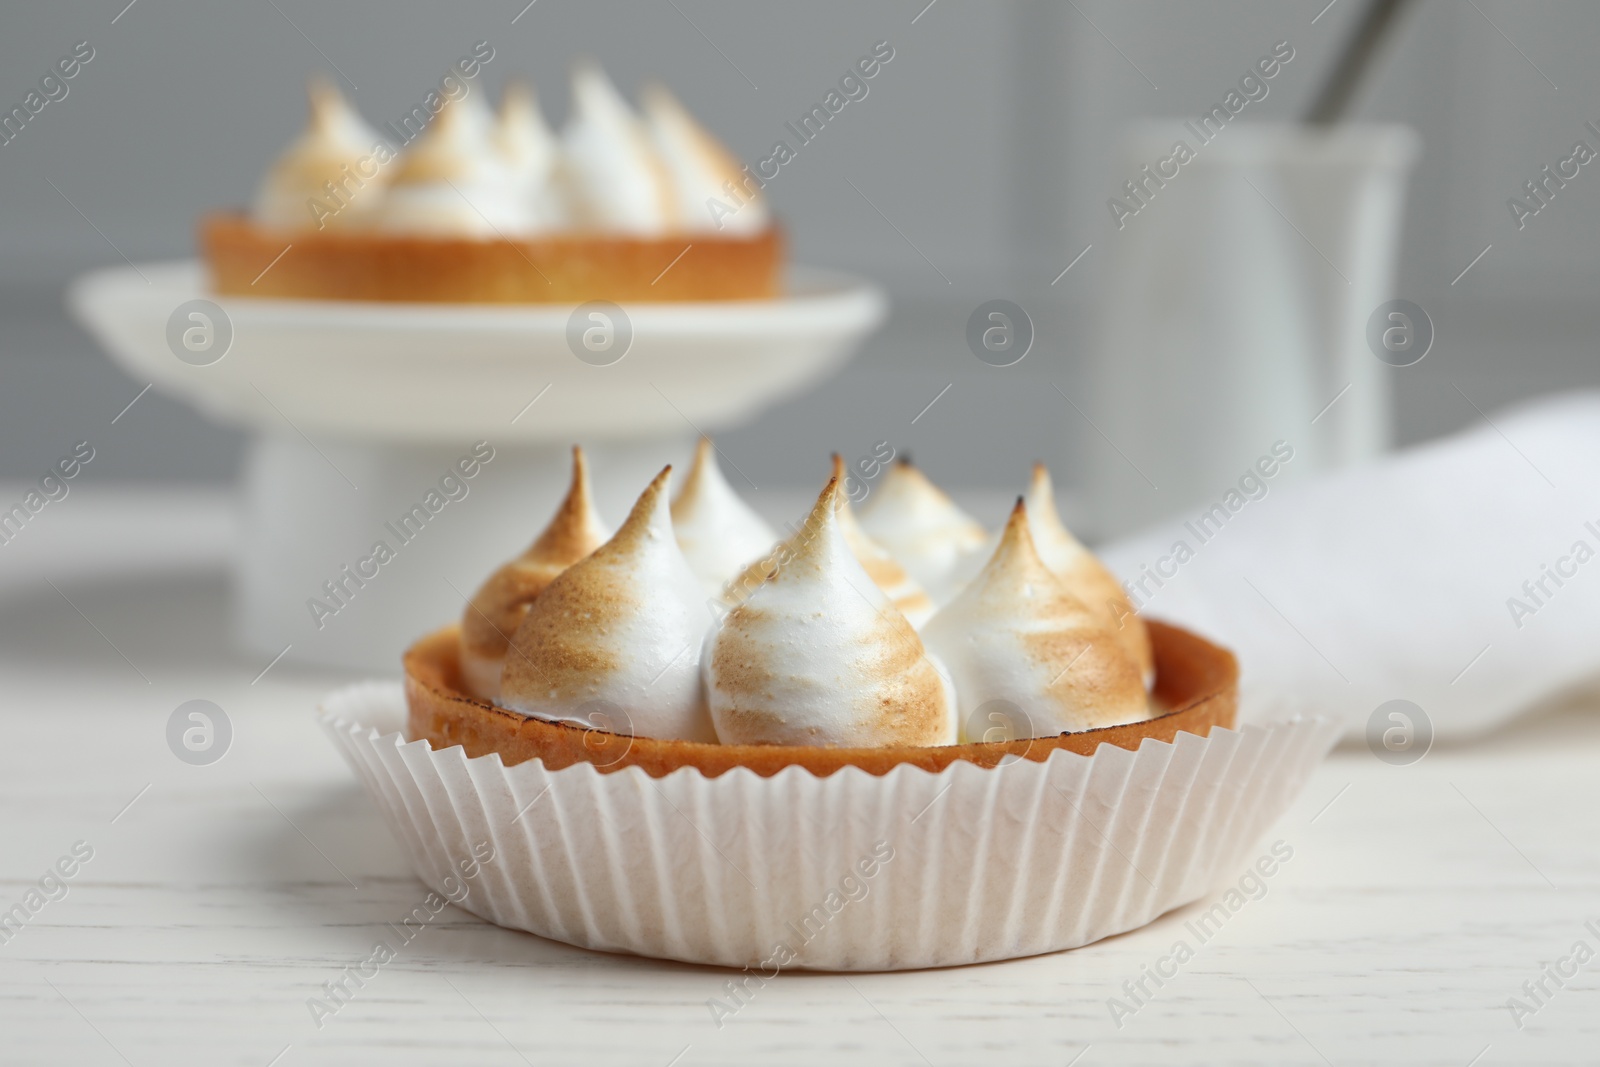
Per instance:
(1016,542)
(800,542)
(501,602)
(661,106)
(654,96)
(822,513)
(841,500)
(1041,490)
(807,541)
(452,114)
(579,490)
(701,460)
(1052,528)
(586,73)
(571,522)
(1017,523)
(848,523)
(519,107)
(906,469)
(326,99)
(653,491)
(829,492)
(518,94)
(644,509)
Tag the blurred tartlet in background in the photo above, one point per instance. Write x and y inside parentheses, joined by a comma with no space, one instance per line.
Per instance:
(480,207)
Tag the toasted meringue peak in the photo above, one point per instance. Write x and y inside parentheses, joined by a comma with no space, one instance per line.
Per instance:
(1083,573)
(476,111)
(331,149)
(453,180)
(531,150)
(819,656)
(709,185)
(611,643)
(922,528)
(501,603)
(909,598)
(884,570)
(520,131)
(615,177)
(719,534)
(1017,639)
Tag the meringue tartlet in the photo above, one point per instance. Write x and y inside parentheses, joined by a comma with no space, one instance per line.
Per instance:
(819,652)
(500,209)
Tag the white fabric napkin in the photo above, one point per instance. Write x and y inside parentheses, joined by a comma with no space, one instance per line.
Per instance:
(1462,575)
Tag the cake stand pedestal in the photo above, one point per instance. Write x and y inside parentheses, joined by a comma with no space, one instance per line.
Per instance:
(365,417)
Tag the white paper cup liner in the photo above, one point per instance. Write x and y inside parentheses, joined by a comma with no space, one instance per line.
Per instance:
(849,873)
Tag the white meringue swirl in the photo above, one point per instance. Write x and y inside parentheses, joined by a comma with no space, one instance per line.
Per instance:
(616,635)
(531,150)
(502,602)
(1083,573)
(456,169)
(615,178)
(924,529)
(701,170)
(1017,639)
(455,181)
(819,656)
(330,154)
(719,534)
(886,573)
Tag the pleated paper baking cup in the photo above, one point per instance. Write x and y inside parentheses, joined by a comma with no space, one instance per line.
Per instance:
(851,872)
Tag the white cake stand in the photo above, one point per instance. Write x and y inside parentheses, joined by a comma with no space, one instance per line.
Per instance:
(359,410)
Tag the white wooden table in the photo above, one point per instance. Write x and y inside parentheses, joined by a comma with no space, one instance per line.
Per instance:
(219,898)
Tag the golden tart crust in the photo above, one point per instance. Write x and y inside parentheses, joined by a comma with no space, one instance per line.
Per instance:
(1197,681)
(566,268)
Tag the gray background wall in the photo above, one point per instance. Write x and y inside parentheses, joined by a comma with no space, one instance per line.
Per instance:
(986,141)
